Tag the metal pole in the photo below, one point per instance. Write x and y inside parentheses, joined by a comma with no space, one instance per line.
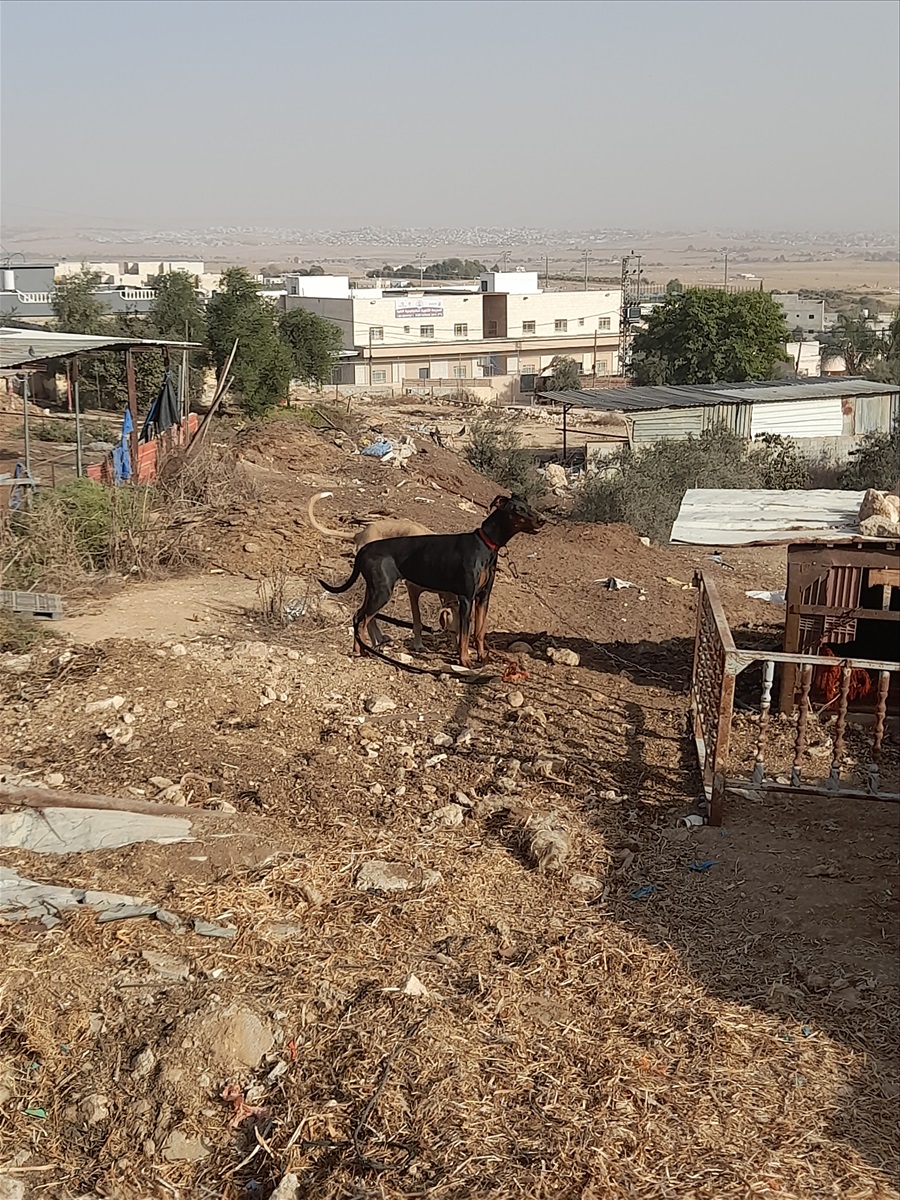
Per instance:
(565,432)
(79,457)
(586,257)
(27,435)
(726,270)
(370,356)
(132,408)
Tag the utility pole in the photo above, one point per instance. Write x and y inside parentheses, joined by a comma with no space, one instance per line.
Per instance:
(505,259)
(546,269)
(726,268)
(587,255)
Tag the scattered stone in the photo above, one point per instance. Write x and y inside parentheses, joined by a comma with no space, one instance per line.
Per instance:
(167,966)
(563,657)
(170,704)
(269,693)
(143,1064)
(435,759)
(380,704)
(442,739)
(311,894)
(414,987)
(209,929)
(462,800)
(106,702)
(545,842)
(645,541)
(449,814)
(173,794)
(530,713)
(178,650)
(235,1037)
(15,664)
(161,782)
(293,655)
(288,1189)
(380,876)
(556,476)
(181,1147)
(11,1189)
(93,1109)
(515,699)
(62,659)
(119,735)
(55,779)
(521,648)
(252,547)
(588,884)
(464,737)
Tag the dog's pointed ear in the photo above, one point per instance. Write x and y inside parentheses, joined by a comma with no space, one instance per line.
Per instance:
(499,502)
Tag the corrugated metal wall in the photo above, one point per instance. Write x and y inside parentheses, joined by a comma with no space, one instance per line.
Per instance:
(799,418)
(665,423)
(735,417)
(876,414)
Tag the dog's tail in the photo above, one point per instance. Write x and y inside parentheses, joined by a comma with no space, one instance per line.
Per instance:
(334,533)
(344,587)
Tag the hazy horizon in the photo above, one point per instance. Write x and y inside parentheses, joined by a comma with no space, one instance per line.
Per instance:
(678,116)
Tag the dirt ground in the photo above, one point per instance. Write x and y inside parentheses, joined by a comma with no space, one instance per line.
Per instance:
(493,1030)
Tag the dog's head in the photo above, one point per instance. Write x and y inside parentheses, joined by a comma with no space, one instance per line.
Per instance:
(521,516)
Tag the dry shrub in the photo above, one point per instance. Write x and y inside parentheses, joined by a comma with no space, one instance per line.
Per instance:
(211,476)
(272,594)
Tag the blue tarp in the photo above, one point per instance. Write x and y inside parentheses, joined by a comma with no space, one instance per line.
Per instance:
(121,459)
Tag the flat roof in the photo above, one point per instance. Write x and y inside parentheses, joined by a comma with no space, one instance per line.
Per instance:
(29,347)
(638,399)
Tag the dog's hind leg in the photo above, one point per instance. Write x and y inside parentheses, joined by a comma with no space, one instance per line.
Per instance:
(414,594)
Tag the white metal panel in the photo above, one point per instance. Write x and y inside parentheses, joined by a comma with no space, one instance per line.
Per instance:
(744,516)
(822,417)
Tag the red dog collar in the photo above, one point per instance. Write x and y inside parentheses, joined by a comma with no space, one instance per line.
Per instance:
(487,541)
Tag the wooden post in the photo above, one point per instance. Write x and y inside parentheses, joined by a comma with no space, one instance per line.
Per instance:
(132,408)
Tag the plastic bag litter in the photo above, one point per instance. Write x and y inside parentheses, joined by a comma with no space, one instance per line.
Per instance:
(772,597)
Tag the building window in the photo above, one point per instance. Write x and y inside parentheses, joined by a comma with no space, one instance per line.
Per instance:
(406,329)
(528,326)
(459,372)
(604,323)
(528,369)
(812,316)
(376,333)
(601,367)
(460,331)
(560,326)
(426,331)
(581,320)
(424,372)
(379,376)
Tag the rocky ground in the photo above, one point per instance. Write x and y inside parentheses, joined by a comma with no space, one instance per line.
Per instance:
(434,935)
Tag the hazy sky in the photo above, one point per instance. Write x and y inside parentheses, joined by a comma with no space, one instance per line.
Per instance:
(737,114)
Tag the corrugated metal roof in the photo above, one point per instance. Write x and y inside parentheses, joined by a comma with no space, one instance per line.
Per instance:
(758,517)
(635,399)
(27,347)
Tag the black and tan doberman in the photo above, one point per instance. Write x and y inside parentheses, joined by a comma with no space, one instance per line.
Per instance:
(463,564)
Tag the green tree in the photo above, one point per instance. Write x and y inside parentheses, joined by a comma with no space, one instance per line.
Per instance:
(707,336)
(77,308)
(314,345)
(262,365)
(566,376)
(875,462)
(887,369)
(855,340)
(177,312)
(674,287)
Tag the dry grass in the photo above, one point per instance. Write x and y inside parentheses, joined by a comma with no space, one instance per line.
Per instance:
(84,530)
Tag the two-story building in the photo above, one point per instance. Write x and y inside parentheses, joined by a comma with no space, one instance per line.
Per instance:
(502,325)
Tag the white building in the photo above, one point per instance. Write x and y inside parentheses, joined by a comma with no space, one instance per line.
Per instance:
(806,315)
(503,325)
